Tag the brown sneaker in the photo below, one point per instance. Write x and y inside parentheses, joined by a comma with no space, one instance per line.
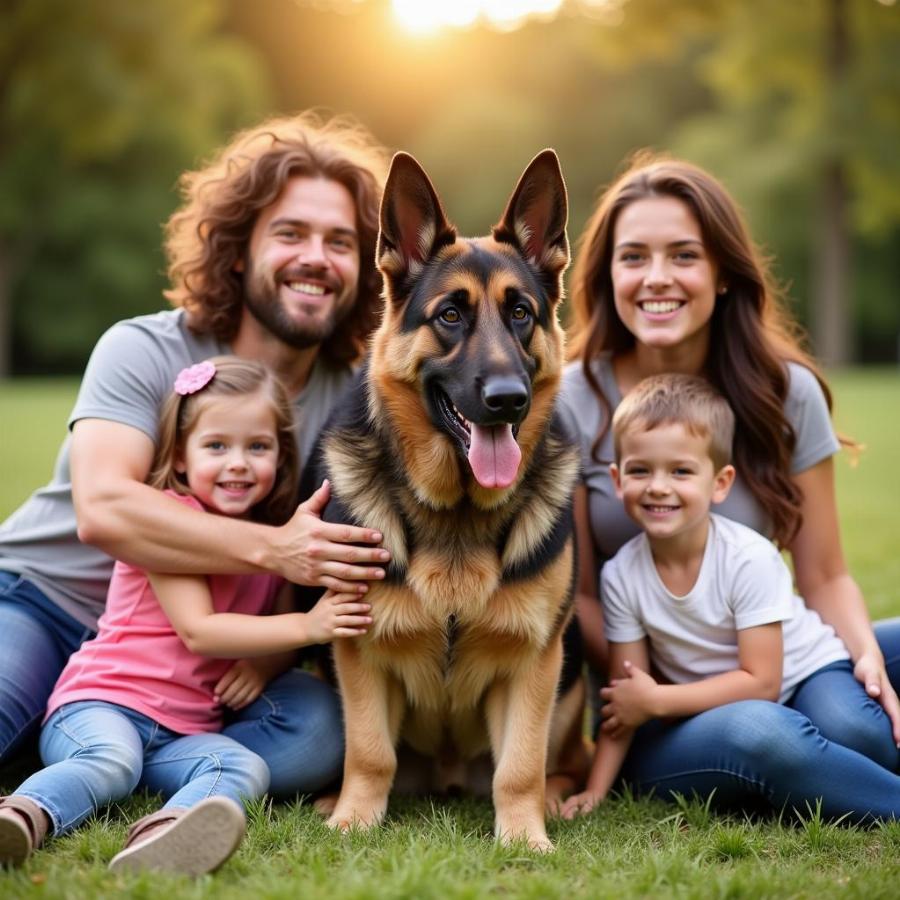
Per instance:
(188,841)
(23,825)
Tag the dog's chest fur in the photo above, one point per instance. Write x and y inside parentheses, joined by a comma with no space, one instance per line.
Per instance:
(470,593)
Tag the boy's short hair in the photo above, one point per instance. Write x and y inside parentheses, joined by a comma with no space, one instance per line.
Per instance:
(687,400)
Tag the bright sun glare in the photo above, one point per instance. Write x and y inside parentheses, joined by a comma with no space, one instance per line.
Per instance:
(429,16)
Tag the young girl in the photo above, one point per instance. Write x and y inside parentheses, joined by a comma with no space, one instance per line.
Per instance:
(667,279)
(141,705)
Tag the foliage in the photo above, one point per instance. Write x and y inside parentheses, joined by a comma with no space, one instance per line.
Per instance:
(738,87)
(103,105)
(777,118)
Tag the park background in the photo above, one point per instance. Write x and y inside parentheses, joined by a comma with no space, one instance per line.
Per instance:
(794,104)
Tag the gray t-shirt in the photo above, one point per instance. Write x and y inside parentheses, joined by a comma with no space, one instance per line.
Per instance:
(805,409)
(130,373)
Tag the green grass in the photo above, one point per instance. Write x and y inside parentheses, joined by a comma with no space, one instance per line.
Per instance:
(34,413)
(628,849)
(867,408)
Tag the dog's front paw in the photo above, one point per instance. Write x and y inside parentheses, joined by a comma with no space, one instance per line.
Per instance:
(345,824)
(337,823)
(325,805)
(350,817)
(541,845)
(535,837)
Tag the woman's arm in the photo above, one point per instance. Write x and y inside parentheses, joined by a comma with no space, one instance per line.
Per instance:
(587,603)
(827,586)
(635,697)
(124,517)
(187,603)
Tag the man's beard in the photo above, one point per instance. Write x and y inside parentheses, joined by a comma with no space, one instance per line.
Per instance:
(261,297)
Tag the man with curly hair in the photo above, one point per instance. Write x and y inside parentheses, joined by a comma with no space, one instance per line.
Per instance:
(271,257)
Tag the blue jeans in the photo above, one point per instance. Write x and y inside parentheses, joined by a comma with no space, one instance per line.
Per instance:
(830,742)
(36,639)
(98,752)
(295,725)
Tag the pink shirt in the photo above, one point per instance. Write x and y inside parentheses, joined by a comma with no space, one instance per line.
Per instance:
(138,661)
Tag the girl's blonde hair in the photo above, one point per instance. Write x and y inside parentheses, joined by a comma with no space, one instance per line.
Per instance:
(233,378)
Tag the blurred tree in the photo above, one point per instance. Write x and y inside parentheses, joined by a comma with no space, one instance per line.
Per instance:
(102,105)
(475,105)
(805,127)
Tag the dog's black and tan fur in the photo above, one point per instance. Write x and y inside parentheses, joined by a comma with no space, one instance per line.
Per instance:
(465,649)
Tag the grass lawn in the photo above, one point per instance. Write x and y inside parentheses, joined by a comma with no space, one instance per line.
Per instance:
(627,850)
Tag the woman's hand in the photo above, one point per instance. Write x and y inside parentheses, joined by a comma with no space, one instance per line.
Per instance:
(827,587)
(870,672)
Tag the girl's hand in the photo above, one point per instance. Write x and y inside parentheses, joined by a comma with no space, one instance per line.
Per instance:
(337,615)
(580,804)
(240,685)
(630,701)
(870,672)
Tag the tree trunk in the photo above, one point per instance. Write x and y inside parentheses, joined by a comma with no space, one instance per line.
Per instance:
(830,312)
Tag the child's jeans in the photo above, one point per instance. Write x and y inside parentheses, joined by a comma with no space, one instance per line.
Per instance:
(830,741)
(295,725)
(98,752)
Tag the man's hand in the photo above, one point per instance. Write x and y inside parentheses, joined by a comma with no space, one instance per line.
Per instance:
(241,684)
(337,615)
(629,701)
(321,554)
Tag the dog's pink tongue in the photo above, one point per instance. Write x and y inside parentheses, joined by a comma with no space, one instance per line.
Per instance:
(494,455)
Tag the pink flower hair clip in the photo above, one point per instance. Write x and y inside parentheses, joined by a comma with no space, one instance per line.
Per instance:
(194,378)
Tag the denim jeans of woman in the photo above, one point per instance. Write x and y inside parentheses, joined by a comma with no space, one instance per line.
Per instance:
(295,725)
(830,742)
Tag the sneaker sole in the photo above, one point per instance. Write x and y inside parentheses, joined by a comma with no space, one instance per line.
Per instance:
(198,842)
(15,843)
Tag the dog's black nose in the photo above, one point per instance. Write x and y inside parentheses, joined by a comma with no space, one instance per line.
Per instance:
(505,395)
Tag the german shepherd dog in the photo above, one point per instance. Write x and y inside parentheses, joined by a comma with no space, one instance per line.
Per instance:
(450,447)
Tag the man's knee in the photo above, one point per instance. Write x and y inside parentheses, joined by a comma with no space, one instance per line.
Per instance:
(305,705)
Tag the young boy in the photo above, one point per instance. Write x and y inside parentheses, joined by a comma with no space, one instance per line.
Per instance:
(707,602)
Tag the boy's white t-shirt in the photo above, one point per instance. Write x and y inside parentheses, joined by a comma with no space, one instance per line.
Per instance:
(743,582)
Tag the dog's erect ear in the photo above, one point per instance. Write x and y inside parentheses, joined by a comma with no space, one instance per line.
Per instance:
(535,217)
(413,223)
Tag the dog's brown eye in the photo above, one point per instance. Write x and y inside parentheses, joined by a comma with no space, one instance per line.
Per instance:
(450,315)
(520,313)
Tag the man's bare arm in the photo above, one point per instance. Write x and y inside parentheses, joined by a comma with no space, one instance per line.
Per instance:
(125,518)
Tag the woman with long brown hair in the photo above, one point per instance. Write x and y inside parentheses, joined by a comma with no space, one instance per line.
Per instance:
(667,279)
